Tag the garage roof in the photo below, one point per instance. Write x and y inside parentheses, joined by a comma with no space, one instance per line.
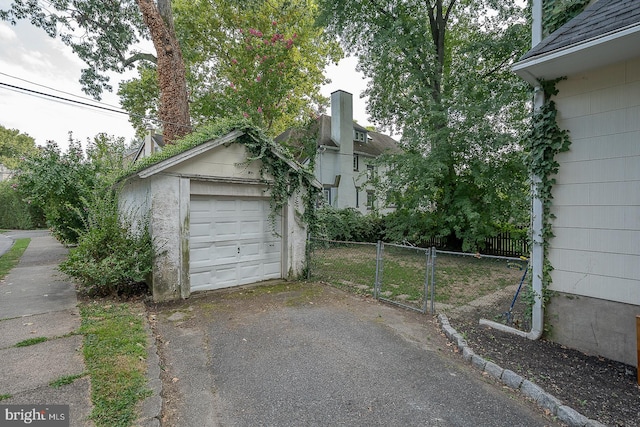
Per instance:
(208,138)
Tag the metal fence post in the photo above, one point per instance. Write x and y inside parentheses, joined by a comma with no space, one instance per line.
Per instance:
(433,279)
(427,260)
(308,256)
(376,285)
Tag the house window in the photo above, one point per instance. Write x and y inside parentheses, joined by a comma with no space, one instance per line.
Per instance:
(357,197)
(358,136)
(356,162)
(370,172)
(327,196)
(370,199)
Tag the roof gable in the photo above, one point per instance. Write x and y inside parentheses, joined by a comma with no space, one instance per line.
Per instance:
(606,32)
(376,145)
(210,137)
(189,154)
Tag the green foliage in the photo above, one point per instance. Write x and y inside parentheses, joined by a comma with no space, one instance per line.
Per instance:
(15,213)
(440,73)
(347,225)
(69,379)
(140,97)
(110,30)
(13,146)
(31,341)
(263,60)
(546,140)
(404,225)
(112,256)
(556,13)
(54,183)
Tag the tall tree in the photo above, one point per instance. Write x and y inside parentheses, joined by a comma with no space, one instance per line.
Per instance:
(439,72)
(106,35)
(263,59)
(14,145)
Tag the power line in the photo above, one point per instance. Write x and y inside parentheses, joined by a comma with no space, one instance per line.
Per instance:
(73,101)
(57,90)
(86,104)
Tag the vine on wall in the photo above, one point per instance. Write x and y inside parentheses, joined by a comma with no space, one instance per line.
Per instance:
(545,142)
(276,162)
(555,13)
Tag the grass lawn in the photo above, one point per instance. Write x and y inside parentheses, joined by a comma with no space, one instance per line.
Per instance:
(115,354)
(11,258)
(459,278)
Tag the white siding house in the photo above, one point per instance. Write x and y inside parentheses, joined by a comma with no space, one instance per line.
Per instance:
(345,154)
(596,200)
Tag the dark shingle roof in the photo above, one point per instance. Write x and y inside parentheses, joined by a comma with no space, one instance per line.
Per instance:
(599,19)
(376,145)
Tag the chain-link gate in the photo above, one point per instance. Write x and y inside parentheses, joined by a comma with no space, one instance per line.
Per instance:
(346,265)
(405,276)
(401,275)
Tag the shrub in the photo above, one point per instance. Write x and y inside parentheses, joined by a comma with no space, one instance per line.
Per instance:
(348,225)
(15,213)
(112,258)
(54,183)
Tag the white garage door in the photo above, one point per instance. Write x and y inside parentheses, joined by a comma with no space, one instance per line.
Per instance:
(232,242)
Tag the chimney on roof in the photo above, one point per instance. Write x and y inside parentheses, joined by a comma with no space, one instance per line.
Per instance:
(148,141)
(342,118)
(342,134)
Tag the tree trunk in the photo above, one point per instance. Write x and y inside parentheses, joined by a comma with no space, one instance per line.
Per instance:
(174,103)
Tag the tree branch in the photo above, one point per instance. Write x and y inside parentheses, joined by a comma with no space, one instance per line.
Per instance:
(500,65)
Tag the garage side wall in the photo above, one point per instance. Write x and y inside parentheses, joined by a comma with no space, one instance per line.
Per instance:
(169,228)
(134,202)
(296,237)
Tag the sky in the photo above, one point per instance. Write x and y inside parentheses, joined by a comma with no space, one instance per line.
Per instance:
(30,59)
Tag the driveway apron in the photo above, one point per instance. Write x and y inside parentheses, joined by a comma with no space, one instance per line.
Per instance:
(311,355)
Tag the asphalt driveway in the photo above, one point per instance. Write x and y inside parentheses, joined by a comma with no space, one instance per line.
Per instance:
(310,355)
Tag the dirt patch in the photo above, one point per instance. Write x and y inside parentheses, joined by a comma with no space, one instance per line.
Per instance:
(598,388)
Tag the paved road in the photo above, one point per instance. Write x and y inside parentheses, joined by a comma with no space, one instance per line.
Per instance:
(314,356)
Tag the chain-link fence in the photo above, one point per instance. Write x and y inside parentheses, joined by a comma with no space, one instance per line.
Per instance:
(405,275)
(394,273)
(346,265)
(469,287)
(464,286)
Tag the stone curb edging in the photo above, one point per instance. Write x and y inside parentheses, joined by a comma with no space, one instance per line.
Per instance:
(512,380)
(150,408)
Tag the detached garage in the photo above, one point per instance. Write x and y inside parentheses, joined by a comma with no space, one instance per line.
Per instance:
(218,215)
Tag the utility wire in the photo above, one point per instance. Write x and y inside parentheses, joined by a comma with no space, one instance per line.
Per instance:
(73,101)
(57,90)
